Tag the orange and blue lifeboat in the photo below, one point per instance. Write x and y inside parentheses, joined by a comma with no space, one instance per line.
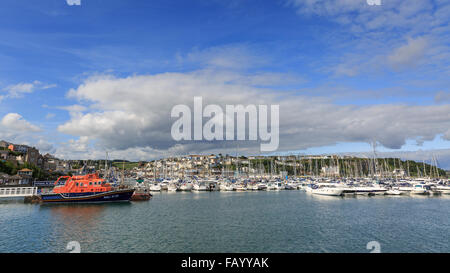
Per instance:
(85,188)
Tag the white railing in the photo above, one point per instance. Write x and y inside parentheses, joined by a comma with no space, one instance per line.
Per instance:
(18,192)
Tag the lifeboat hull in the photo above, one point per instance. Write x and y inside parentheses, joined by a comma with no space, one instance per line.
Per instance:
(88,197)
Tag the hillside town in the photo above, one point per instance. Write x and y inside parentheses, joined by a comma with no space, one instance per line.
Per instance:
(22,164)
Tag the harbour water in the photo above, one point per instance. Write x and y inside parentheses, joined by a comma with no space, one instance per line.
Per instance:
(277,221)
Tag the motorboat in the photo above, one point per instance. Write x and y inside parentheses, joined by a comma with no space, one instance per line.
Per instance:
(240,187)
(262,186)
(444,189)
(273,187)
(326,189)
(420,189)
(394,191)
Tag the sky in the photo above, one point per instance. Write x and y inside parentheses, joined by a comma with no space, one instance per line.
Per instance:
(79,78)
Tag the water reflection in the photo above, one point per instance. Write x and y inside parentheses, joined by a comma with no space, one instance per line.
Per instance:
(11,200)
(75,218)
(77,222)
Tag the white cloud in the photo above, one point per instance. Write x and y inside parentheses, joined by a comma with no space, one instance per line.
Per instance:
(410,54)
(134,113)
(20,89)
(15,122)
(74,110)
(80,149)
(371,39)
(73,2)
(14,127)
(80,145)
(363,17)
(45,147)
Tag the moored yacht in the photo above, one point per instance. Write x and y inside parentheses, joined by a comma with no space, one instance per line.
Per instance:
(273,187)
(164,185)
(444,189)
(172,187)
(224,186)
(420,189)
(240,187)
(394,191)
(155,187)
(378,190)
(405,189)
(326,189)
(262,186)
(200,186)
(186,187)
(290,186)
(359,190)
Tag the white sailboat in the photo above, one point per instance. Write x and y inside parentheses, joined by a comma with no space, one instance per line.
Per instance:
(186,187)
(224,186)
(199,186)
(240,187)
(172,187)
(155,187)
(378,190)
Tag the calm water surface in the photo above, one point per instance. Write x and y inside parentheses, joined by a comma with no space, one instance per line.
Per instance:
(284,221)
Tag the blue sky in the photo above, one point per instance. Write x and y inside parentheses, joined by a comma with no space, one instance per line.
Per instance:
(74,78)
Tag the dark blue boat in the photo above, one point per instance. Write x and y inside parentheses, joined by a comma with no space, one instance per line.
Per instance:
(78,197)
